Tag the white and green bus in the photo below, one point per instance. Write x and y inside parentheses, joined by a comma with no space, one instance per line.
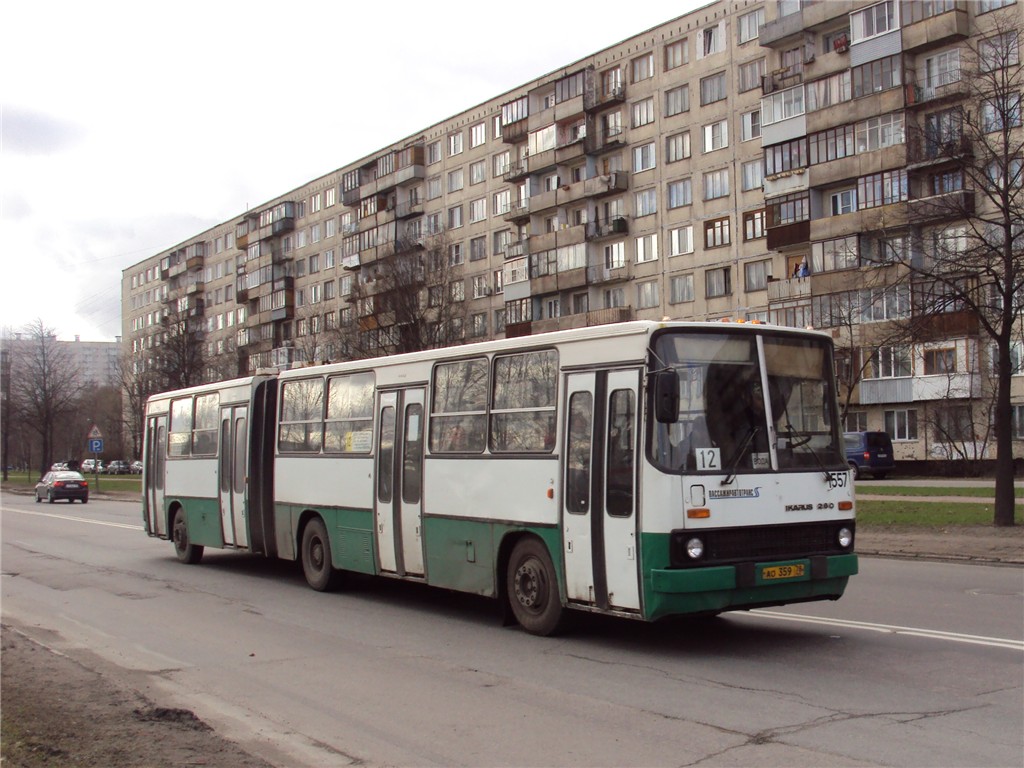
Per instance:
(643,470)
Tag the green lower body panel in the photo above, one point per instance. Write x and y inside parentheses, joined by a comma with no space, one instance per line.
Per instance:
(669,591)
(350,532)
(464,555)
(202,517)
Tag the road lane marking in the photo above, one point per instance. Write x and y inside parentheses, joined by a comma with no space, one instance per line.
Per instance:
(934,634)
(72,518)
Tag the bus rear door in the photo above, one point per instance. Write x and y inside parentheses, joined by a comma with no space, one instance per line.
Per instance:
(398,490)
(233,468)
(155,471)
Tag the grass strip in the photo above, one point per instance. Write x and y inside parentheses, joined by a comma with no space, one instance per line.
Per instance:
(931,490)
(926,514)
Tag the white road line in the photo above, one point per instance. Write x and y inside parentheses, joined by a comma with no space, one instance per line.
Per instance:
(955,637)
(72,518)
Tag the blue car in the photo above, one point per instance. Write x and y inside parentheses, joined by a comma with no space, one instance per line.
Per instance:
(869,452)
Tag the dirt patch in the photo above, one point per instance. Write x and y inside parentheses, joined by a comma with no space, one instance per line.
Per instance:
(57,712)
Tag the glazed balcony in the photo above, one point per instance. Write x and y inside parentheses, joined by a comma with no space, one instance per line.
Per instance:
(944,29)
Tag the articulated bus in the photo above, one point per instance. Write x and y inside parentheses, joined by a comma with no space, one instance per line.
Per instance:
(643,469)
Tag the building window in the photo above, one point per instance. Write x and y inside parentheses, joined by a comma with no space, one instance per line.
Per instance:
(615,256)
(881,189)
(478,210)
(717,283)
(455,256)
(676,54)
(750,125)
(753,175)
(434,153)
(679,193)
(712,88)
(839,253)
(680,240)
(455,144)
(643,157)
(455,180)
(477,134)
(646,202)
(716,233)
(478,172)
(876,20)
(1018,422)
(901,424)
(478,248)
(716,184)
(939,361)
(748,24)
(455,217)
(646,248)
(677,146)
(754,225)
(782,105)
(953,423)
(716,136)
(941,69)
(756,274)
(750,75)
(643,112)
(643,67)
(647,294)
(680,289)
(677,100)
(878,75)
(998,52)
(785,157)
(712,40)
(880,132)
(843,201)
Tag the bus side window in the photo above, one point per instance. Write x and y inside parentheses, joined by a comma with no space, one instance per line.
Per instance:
(620,453)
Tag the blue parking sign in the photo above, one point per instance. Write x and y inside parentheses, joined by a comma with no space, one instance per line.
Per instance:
(96,445)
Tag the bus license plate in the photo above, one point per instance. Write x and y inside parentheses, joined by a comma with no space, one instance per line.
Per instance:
(772,572)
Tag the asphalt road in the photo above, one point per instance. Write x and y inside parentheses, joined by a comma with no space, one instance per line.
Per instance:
(918,665)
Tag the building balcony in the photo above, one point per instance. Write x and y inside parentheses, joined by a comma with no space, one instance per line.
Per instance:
(924,153)
(558,281)
(596,98)
(883,391)
(518,210)
(515,133)
(609,184)
(570,150)
(944,29)
(789,235)
(597,230)
(604,141)
(880,219)
(517,248)
(408,209)
(600,275)
(935,91)
(789,288)
(958,204)
(542,161)
(516,171)
(567,235)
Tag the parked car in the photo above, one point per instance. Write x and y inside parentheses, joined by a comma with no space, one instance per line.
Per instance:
(136,467)
(93,465)
(118,467)
(63,485)
(869,452)
(58,466)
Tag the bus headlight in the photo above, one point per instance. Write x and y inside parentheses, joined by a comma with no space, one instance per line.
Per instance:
(845,537)
(694,548)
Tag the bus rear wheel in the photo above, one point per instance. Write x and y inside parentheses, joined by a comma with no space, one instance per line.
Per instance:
(186,551)
(316,557)
(532,589)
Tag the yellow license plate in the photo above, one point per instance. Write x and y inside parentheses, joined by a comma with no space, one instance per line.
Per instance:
(772,572)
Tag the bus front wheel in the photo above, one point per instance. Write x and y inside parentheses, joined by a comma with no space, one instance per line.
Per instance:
(532,589)
(316,557)
(186,551)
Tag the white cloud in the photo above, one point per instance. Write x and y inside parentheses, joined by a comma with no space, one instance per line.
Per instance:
(129,127)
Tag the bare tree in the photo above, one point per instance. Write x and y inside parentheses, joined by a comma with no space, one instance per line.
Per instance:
(970,264)
(411,298)
(180,359)
(45,385)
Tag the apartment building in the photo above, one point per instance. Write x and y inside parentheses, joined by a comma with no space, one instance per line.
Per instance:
(748,160)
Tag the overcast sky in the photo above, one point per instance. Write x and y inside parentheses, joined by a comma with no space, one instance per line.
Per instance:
(126,128)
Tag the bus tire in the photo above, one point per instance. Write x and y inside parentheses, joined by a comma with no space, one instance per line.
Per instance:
(316,556)
(532,588)
(186,551)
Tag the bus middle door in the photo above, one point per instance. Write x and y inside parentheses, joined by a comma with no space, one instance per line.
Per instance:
(599,489)
(232,468)
(399,482)
(155,471)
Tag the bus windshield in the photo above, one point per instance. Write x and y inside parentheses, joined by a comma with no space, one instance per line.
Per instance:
(748,403)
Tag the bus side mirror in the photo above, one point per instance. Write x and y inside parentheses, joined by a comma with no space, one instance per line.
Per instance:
(666,397)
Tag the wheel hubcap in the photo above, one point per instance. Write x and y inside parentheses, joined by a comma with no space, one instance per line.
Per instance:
(316,554)
(529,585)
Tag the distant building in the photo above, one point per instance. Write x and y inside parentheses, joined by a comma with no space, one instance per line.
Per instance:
(729,163)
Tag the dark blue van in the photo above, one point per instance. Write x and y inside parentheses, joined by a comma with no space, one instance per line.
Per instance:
(869,452)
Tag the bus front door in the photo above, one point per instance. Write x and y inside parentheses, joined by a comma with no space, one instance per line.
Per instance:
(399,482)
(599,520)
(155,469)
(232,468)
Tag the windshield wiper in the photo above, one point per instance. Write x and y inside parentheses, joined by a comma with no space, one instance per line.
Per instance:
(735,459)
(810,449)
